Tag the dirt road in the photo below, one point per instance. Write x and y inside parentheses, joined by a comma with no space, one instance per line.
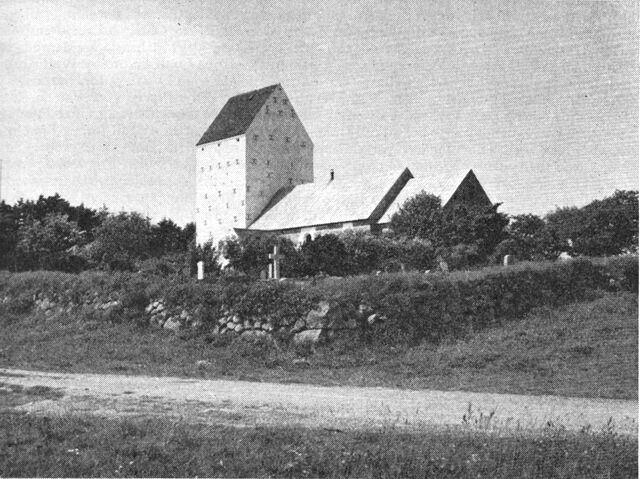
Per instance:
(247,403)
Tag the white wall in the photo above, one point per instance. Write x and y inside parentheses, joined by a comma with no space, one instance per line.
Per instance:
(220,188)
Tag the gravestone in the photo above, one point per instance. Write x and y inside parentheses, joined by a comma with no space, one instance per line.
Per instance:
(200,270)
(444,267)
(508,260)
(564,256)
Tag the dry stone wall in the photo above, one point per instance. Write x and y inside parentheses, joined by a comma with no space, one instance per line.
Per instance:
(319,324)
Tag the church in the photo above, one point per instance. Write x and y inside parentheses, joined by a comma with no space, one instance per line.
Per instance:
(255,176)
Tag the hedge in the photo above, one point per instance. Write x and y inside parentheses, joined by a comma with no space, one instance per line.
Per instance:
(417,307)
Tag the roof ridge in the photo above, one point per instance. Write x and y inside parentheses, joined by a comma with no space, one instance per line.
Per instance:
(390,173)
(257,90)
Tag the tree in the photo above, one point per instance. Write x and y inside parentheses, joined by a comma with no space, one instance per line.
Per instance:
(603,227)
(8,236)
(167,237)
(419,217)
(46,243)
(121,240)
(481,228)
(86,218)
(325,254)
(188,234)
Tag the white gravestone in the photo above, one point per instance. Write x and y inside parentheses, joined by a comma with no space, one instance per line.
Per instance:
(200,270)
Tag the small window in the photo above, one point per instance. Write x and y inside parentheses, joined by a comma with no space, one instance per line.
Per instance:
(255,137)
(268,162)
(210,167)
(280,112)
(218,144)
(219,193)
(227,205)
(303,144)
(290,181)
(202,149)
(248,189)
(235,219)
(209,207)
(234,191)
(237,161)
(237,139)
(228,163)
(205,196)
(271,137)
(275,100)
(266,109)
(287,139)
(219,165)
(242,203)
(293,114)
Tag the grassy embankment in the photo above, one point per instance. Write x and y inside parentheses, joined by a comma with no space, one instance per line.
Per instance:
(583,349)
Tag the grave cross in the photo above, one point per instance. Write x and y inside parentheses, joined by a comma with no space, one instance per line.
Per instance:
(274,268)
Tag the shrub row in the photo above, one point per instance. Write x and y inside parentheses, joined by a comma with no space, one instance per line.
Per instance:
(337,255)
(417,306)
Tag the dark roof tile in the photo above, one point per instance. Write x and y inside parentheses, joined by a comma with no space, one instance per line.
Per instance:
(236,115)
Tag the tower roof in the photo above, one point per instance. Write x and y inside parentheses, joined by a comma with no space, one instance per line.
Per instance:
(236,115)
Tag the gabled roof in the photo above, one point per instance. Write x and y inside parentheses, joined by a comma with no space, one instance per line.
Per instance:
(442,185)
(236,115)
(336,201)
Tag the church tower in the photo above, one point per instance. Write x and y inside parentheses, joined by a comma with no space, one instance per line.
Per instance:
(254,147)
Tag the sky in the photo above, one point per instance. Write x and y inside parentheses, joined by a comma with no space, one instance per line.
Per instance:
(103,102)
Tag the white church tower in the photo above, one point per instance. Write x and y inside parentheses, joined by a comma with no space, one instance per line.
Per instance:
(254,147)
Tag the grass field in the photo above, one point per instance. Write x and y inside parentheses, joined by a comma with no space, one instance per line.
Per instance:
(85,446)
(585,349)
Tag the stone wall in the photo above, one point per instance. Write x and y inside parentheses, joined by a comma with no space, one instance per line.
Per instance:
(322,323)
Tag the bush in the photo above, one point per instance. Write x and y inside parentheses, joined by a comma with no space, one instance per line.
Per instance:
(325,254)
(122,240)
(250,255)
(462,256)
(47,243)
(437,306)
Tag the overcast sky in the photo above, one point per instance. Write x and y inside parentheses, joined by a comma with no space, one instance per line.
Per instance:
(103,102)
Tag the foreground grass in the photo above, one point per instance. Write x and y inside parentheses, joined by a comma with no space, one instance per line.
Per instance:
(87,446)
(587,349)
